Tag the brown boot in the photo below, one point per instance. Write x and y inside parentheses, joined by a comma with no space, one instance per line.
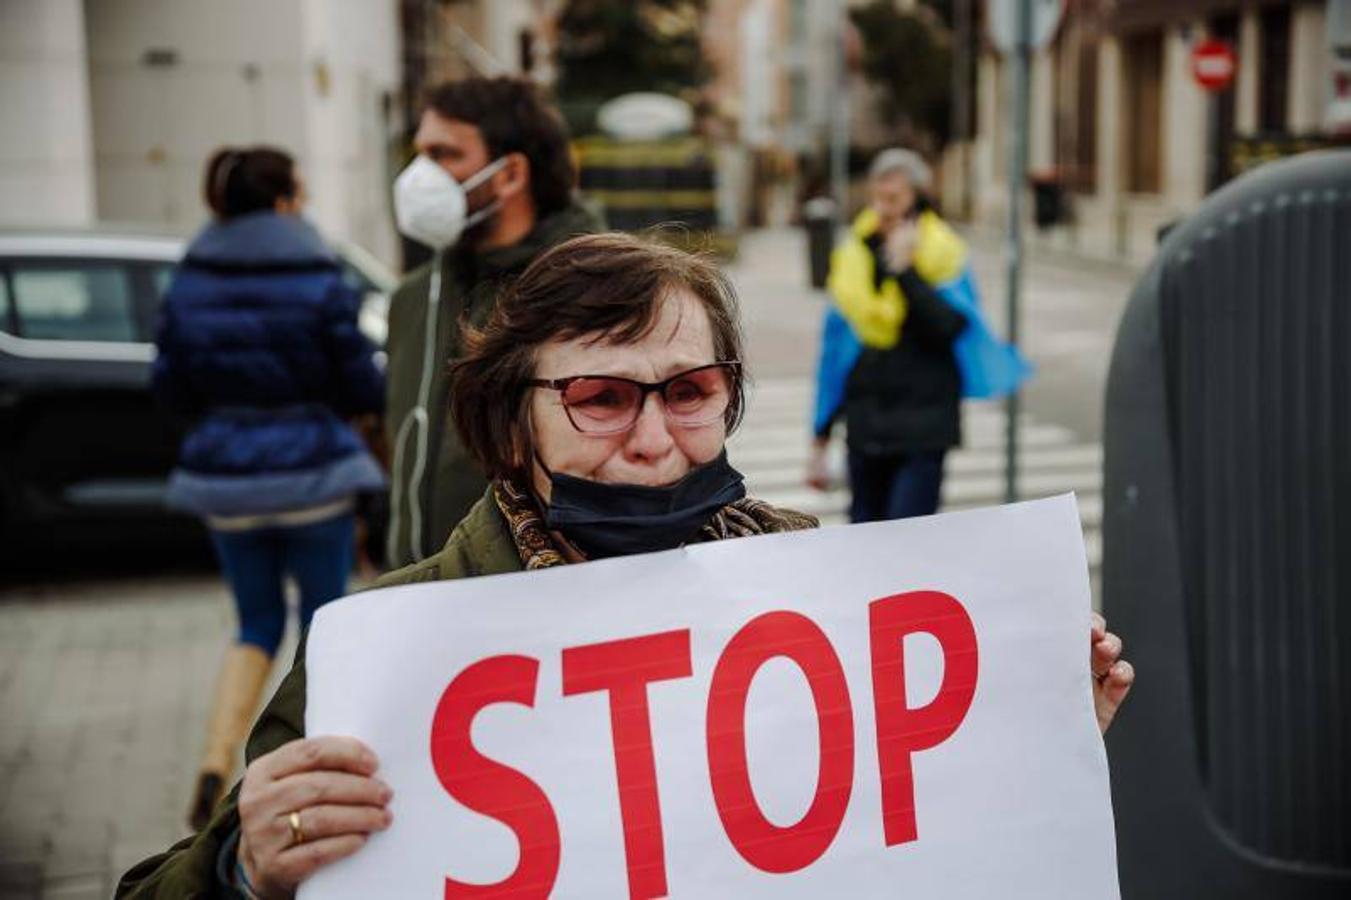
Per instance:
(238,688)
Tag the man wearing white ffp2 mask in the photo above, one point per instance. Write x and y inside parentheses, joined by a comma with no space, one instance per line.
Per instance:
(430,206)
(490,189)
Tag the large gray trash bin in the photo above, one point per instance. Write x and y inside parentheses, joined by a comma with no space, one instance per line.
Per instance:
(1227,546)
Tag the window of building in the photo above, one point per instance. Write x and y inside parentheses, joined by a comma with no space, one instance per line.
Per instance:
(162,275)
(74,301)
(1273,73)
(1143,112)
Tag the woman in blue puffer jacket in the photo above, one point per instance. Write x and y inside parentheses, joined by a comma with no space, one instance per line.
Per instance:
(258,343)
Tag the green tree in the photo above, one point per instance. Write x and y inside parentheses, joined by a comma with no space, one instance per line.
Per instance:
(908,54)
(612,47)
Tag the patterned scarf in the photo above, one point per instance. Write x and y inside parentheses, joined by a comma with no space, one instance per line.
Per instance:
(539,550)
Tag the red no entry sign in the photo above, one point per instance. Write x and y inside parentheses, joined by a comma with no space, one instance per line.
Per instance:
(1214,64)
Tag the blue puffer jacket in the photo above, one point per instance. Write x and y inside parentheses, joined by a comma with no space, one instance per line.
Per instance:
(258,339)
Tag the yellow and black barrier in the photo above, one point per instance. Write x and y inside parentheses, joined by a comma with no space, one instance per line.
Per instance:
(641,184)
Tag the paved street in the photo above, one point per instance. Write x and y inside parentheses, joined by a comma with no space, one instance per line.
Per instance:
(104,682)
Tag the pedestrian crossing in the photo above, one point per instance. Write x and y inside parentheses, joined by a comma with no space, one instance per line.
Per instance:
(772,446)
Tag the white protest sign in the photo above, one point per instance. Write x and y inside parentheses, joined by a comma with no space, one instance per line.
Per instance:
(900,709)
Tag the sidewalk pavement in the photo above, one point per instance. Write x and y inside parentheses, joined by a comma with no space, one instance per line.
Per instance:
(104,693)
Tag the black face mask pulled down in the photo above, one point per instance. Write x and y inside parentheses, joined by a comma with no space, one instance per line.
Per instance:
(620,519)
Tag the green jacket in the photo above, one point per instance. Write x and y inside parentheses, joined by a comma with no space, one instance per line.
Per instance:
(479,545)
(433,483)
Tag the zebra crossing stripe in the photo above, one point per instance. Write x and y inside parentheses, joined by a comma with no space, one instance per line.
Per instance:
(750,453)
(773,445)
(783,435)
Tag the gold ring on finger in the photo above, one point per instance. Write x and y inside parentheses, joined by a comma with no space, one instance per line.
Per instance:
(297,832)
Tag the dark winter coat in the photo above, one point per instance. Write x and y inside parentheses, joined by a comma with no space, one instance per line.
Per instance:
(258,343)
(905,397)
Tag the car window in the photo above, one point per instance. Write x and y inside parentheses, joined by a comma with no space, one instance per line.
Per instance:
(4,302)
(74,301)
(160,275)
(150,280)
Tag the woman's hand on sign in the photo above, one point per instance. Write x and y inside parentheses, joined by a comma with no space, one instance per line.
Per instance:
(1112,675)
(304,805)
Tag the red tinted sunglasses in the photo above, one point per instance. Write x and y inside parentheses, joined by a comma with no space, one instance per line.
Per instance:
(607,404)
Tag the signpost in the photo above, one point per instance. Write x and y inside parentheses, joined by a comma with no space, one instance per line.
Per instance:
(1018,27)
(1214,64)
(1004,22)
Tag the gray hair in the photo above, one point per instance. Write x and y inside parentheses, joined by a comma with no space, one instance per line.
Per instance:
(907,162)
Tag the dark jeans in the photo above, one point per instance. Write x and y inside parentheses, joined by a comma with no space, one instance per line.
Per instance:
(256,562)
(894,487)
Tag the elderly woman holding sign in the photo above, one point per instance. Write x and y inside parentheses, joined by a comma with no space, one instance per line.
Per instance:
(598,397)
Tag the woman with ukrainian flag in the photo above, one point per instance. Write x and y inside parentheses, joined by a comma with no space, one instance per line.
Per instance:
(902,344)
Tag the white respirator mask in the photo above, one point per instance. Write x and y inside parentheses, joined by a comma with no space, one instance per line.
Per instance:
(430,206)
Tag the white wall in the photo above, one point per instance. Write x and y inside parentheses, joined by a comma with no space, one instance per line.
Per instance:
(1110,92)
(985,146)
(823,64)
(757,74)
(1310,65)
(1041,113)
(355,42)
(1185,122)
(304,75)
(237,80)
(46,156)
(1249,61)
(506,20)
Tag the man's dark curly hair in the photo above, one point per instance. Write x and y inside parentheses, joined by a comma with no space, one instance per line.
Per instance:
(513,117)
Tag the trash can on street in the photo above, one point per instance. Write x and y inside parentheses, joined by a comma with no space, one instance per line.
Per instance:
(1048,199)
(818,214)
(1227,430)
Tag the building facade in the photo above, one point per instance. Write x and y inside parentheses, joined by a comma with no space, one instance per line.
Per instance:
(1119,121)
(122,101)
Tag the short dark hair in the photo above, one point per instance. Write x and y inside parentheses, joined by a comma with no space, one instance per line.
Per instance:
(513,117)
(240,180)
(609,283)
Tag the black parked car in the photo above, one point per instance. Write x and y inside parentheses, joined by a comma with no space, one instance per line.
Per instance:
(84,450)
